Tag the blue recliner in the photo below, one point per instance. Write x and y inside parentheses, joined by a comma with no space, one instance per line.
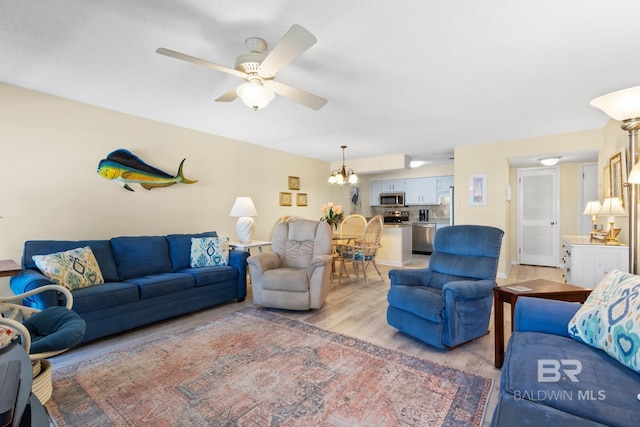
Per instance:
(448,303)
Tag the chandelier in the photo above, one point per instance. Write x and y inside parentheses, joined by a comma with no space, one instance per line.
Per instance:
(343,175)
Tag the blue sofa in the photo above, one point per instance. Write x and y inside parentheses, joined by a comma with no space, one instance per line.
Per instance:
(595,390)
(147,279)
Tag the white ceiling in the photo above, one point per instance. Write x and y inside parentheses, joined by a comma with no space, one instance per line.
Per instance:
(416,77)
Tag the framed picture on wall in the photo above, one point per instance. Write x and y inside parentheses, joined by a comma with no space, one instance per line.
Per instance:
(478,189)
(285,199)
(301,199)
(294,183)
(606,179)
(618,165)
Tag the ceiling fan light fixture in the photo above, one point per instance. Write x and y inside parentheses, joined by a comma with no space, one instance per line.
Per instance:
(254,94)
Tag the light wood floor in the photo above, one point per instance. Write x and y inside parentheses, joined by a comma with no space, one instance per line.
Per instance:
(355,310)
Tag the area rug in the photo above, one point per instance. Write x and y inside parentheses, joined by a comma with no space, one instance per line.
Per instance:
(257,368)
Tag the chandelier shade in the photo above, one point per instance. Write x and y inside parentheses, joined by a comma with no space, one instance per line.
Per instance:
(343,175)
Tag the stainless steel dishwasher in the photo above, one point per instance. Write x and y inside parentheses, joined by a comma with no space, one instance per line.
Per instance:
(422,237)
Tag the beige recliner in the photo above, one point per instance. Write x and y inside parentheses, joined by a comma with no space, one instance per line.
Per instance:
(295,275)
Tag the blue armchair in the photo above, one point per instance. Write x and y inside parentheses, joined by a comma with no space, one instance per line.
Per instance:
(448,303)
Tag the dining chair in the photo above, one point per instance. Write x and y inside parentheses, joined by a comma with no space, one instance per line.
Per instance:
(351,229)
(361,253)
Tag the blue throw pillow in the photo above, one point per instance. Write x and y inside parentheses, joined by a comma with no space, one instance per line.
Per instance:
(209,251)
(608,319)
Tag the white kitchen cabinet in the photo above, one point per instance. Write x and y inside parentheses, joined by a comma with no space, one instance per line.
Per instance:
(586,263)
(374,194)
(422,191)
(393,186)
(444,182)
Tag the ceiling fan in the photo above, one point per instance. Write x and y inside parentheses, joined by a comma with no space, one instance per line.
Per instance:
(259,70)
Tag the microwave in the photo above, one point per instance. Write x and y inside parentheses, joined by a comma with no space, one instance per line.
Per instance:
(392,199)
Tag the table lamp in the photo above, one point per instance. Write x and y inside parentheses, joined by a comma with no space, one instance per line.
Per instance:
(612,207)
(593,207)
(244,210)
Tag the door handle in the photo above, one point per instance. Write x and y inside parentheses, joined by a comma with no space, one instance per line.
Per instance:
(553,223)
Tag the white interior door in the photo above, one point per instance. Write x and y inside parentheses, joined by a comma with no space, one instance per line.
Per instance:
(538,213)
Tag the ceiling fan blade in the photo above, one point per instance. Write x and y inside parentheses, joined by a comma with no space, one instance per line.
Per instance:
(198,61)
(305,98)
(229,96)
(293,43)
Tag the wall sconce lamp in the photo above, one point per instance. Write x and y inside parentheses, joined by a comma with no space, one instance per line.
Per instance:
(244,209)
(624,105)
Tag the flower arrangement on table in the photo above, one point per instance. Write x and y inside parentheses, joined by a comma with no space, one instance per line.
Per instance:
(332,214)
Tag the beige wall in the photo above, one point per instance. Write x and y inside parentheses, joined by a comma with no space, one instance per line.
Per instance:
(50,189)
(50,149)
(492,159)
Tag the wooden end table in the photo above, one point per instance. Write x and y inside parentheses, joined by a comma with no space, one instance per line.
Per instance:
(539,288)
(9,267)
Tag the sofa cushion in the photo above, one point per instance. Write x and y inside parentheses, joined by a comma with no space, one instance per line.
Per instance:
(421,301)
(206,276)
(141,256)
(54,329)
(608,320)
(209,251)
(180,248)
(162,284)
(101,250)
(73,269)
(110,294)
(604,391)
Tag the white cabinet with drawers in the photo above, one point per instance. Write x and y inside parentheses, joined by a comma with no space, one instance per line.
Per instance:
(586,263)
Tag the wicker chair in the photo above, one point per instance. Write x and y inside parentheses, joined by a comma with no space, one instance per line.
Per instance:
(361,253)
(351,230)
(43,333)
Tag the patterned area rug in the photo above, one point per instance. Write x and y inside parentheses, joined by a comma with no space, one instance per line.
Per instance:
(257,368)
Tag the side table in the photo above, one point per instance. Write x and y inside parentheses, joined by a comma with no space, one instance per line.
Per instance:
(539,288)
(9,267)
(247,246)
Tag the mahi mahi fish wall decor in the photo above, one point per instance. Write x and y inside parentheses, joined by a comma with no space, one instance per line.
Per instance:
(126,168)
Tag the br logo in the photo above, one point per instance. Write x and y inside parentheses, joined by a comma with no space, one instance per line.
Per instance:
(552,370)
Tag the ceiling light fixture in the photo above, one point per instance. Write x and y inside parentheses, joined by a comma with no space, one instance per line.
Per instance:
(550,161)
(254,94)
(343,175)
(624,105)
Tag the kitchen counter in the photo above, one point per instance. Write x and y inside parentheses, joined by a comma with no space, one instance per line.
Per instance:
(395,244)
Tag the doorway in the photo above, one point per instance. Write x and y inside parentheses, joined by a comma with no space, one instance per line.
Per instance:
(538,213)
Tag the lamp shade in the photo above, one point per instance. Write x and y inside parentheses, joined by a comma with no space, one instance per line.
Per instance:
(593,208)
(255,95)
(634,176)
(612,207)
(243,207)
(620,105)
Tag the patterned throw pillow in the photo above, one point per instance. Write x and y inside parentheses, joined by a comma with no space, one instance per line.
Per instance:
(74,269)
(209,251)
(608,320)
